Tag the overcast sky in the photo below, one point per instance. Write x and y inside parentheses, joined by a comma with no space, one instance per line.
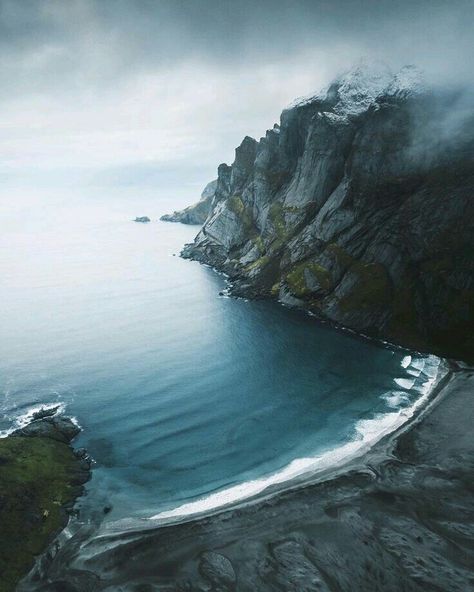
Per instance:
(158,91)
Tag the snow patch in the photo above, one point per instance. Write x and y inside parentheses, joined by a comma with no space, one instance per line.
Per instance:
(360,87)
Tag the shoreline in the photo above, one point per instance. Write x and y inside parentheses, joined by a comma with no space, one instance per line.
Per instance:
(403,506)
(309,476)
(104,538)
(238,287)
(41,477)
(378,450)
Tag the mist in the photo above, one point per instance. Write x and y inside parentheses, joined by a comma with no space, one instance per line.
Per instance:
(149,94)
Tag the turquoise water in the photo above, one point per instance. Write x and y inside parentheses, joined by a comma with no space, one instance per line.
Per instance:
(180,392)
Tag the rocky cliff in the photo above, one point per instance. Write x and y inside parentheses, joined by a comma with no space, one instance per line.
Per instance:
(359,207)
(197,213)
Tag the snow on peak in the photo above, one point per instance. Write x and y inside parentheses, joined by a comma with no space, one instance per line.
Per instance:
(357,89)
(308,99)
(408,81)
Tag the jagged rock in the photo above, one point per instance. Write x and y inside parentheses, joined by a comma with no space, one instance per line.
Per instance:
(197,213)
(217,569)
(359,208)
(294,570)
(59,428)
(142,219)
(45,412)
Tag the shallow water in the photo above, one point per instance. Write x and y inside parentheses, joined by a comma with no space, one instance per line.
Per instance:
(181,393)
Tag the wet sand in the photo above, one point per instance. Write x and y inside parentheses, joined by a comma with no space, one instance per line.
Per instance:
(401,520)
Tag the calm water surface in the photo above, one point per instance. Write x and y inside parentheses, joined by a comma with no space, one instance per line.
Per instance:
(180,392)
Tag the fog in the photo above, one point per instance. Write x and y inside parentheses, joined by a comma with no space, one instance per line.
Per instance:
(155,94)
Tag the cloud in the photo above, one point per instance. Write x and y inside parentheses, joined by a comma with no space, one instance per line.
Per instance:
(100,84)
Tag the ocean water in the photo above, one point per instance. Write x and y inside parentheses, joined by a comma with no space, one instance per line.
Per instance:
(187,399)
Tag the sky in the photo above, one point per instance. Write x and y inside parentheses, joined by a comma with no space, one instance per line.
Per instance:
(157,93)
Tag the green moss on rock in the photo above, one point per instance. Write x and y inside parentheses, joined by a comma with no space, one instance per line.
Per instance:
(36,480)
(275,289)
(297,279)
(236,205)
(258,242)
(282,231)
(257,264)
(343,258)
(277,218)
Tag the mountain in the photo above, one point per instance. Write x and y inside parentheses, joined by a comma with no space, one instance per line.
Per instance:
(358,207)
(197,213)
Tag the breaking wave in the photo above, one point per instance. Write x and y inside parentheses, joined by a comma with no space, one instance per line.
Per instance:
(413,393)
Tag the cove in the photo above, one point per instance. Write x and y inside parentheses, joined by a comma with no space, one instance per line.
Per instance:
(187,399)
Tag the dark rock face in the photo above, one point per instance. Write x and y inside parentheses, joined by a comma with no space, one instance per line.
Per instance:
(360,208)
(142,219)
(218,570)
(197,213)
(59,428)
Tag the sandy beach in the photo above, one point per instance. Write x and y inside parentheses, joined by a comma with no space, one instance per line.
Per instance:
(400,518)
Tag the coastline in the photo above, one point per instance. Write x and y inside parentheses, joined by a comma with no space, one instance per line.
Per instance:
(369,460)
(241,287)
(97,550)
(356,458)
(96,544)
(41,477)
(383,522)
(299,482)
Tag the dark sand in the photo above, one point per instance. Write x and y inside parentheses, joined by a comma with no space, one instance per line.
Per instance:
(403,520)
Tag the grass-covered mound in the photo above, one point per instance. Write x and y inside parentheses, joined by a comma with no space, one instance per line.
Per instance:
(40,477)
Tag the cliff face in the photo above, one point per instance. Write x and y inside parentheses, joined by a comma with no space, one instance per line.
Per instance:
(197,213)
(359,207)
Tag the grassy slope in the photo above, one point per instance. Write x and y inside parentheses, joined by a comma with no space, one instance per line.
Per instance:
(35,483)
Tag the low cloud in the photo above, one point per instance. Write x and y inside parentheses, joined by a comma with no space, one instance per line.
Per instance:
(99,84)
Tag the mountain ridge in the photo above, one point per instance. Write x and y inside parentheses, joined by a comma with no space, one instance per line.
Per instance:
(360,211)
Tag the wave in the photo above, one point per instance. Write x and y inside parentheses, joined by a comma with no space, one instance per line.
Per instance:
(25,418)
(423,374)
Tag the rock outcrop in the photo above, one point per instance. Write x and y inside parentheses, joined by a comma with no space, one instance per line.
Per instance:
(41,477)
(359,207)
(57,427)
(197,213)
(142,219)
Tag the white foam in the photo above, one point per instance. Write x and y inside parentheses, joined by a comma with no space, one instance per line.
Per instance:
(406,361)
(419,363)
(396,399)
(368,433)
(406,383)
(27,417)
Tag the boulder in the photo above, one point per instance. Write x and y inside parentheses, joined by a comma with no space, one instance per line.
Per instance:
(59,428)
(218,570)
